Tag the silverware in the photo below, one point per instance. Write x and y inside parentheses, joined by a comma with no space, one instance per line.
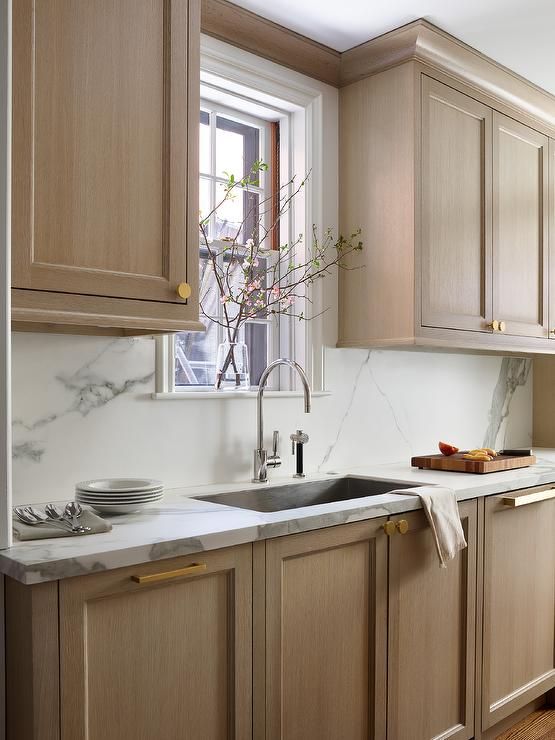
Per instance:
(56,514)
(25,516)
(73,510)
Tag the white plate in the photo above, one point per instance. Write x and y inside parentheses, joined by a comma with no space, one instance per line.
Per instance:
(118,501)
(120,509)
(113,497)
(118,485)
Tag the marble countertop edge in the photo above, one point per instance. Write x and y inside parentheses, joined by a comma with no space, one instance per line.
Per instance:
(182,525)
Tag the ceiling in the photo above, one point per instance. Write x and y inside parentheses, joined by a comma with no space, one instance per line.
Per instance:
(515,33)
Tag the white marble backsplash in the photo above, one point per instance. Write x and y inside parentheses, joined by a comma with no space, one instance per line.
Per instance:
(82,408)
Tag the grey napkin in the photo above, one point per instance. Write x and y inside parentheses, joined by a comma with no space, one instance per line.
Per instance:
(44,531)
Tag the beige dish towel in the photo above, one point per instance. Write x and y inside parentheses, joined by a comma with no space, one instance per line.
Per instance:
(24,532)
(440,505)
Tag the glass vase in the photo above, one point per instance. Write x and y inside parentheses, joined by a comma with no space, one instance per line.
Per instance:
(232,367)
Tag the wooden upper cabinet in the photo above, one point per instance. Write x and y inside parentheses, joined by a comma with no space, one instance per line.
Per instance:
(456,209)
(105,172)
(326,634)
(164,659)
(432,627)
(518,660)
(520,223)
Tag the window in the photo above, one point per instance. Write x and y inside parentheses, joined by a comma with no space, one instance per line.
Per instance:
(243,95)
(230,144)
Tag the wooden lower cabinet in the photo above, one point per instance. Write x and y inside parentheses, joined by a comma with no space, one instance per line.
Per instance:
(343,633)
(518,661)
(326,634)
(335,652)
(432,628)
(164,659)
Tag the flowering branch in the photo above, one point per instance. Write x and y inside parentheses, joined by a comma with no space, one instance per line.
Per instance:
(255,281)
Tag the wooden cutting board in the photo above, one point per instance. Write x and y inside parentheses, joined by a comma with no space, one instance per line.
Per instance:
(457,464)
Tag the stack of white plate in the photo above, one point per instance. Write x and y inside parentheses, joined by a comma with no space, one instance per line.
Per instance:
(118,495)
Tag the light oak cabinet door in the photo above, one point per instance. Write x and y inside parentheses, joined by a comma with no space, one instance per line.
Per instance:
(167,659)
(520,222)
(519,605)
(455,209)
(326,605)
(432,627)
(105,128)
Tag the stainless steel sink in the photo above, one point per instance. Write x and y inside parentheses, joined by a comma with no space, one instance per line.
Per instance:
(309,493)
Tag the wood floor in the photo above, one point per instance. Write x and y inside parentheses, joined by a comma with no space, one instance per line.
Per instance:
(539,725)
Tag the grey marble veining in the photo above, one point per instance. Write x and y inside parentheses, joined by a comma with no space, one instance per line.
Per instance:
(513,373)
(181,525)
(83,409)
(84,390)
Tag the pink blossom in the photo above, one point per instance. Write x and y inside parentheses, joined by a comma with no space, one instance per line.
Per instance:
(253,285)
(225,299)
(287,301)
(275,291)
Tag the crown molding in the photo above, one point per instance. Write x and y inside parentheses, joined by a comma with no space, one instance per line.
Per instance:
(419,41)
(251,32)
(423,42)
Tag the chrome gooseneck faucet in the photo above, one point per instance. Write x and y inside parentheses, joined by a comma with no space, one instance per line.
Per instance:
(263,461)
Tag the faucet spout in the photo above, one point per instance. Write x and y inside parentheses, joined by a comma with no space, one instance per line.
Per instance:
(261,459)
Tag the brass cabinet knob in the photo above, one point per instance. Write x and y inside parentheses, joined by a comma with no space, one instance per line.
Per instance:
(552,331)
(496,325)
(389,528)
(402,526)
(183,290)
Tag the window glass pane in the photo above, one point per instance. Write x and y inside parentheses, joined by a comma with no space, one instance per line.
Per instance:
(204,200)
(237,147)
(229,153)
(208,290)
(195,356)
(256,339)
(229,215)
(204,144)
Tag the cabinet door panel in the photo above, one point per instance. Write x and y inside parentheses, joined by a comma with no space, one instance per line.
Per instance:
(326,605)
(432,625)
(456,209)
(519,606)
(100,149)
(520,216)
(163,660)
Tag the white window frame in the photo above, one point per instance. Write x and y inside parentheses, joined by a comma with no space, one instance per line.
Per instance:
(309,127)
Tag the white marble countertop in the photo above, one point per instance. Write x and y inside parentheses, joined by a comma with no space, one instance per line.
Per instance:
(181,525)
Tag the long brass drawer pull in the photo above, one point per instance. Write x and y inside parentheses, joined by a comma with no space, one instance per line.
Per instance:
(529,498)
(167,575)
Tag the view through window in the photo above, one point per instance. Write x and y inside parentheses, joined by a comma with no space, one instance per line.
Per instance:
(229,145)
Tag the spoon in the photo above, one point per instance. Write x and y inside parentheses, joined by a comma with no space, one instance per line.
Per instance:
(55,514)
(27,518)
(73,510)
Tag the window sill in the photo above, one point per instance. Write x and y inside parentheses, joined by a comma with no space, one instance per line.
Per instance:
(225,395)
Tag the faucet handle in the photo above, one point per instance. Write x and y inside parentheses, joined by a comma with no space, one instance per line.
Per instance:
(299,437)
(274,460)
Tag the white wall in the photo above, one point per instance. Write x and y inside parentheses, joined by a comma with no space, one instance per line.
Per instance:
(82,409)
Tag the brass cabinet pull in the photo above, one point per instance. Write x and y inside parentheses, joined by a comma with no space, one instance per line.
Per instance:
(552,331)
(529,498)
(496,325)
(183,290)
(167,575)
(389,528)
(402,526)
